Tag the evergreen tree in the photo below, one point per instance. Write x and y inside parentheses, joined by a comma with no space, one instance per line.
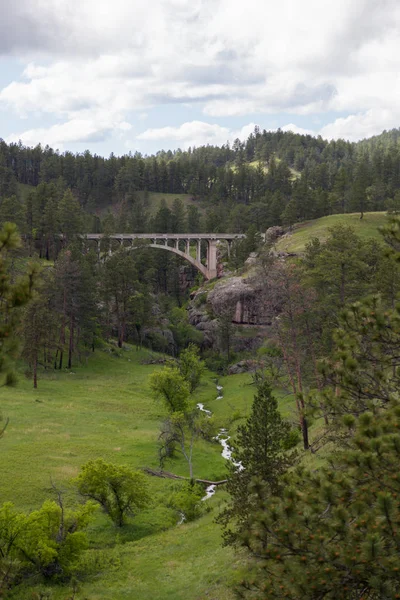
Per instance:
(11,211)
(119,286)
(38,332)
(259,453)
(332,534)
(14,293)
(70,216)
(194,219)
(178,217)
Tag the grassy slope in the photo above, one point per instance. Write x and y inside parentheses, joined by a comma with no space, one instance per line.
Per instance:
(105,410)
(255,163)
(156,197)
(304,232)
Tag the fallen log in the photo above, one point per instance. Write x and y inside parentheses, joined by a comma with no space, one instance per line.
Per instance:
(168,475)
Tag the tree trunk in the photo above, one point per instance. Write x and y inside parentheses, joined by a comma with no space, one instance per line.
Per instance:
(62,332)
(35,371)
(71,342)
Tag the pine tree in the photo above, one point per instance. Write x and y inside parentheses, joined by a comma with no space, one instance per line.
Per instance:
(178,217)
(11,211)
(119,286)
(194,218)
(39,328)
(70,216)
(332,534)
(259,453)
(13,296)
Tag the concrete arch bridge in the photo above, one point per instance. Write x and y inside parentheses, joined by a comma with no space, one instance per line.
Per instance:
(178,243)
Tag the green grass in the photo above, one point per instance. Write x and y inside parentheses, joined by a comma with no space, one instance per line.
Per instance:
(154,199)
(366,228)
(255,163)
(105,410)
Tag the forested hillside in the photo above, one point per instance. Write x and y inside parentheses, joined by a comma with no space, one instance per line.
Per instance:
(271,178)
(124,375)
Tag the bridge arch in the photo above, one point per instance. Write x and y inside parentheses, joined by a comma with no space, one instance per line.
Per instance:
(160,241)
(196,263)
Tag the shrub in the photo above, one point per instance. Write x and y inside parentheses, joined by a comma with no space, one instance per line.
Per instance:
(47,542)
(118,489)
(187,500)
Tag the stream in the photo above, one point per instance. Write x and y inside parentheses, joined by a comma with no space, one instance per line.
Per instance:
(223,439)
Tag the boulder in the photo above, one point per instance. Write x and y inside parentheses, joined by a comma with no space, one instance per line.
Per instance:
(243,366)
(243,299)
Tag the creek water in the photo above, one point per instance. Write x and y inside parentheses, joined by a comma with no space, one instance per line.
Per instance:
(223,439)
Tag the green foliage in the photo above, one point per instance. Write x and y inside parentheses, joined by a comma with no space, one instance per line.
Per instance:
(179,433)
(38,330)
(184,333)
(48,542)
(241,249)
(259,453)
(191,367)
(225,332)
(69,216)
(11,211)
(120,289)
(363,370)
(341,269)
(215,361)
(333,533)
(171,387)
(104,408)
(186,499)
(13,295)
(119,490)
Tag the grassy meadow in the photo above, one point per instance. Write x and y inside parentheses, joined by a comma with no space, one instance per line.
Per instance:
(365,228)
(105,410)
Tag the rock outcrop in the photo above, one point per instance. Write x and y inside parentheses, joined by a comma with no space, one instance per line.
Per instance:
(245,299)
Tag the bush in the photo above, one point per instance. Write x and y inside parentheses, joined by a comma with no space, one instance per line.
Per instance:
(215,361)
(187,500)
(118,489)
(200,299)
(47,542)
(292,439)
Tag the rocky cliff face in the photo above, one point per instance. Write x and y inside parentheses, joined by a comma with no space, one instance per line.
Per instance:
(243,300)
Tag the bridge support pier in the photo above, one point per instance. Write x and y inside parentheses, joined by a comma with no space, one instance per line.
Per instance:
(198,251)
(212,258)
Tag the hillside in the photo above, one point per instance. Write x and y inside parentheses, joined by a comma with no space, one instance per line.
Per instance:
(302,178)
(368,227)
(106,410)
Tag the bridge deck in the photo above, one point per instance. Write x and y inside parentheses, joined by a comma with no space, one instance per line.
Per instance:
(168,236)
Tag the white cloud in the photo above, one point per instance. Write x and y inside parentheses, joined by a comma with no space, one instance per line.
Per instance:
(197,133)
(194,133)
(362,125)
(94,63)
(295,129)
(73,131)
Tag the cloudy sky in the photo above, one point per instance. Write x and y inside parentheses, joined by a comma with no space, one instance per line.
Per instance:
(126,75)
